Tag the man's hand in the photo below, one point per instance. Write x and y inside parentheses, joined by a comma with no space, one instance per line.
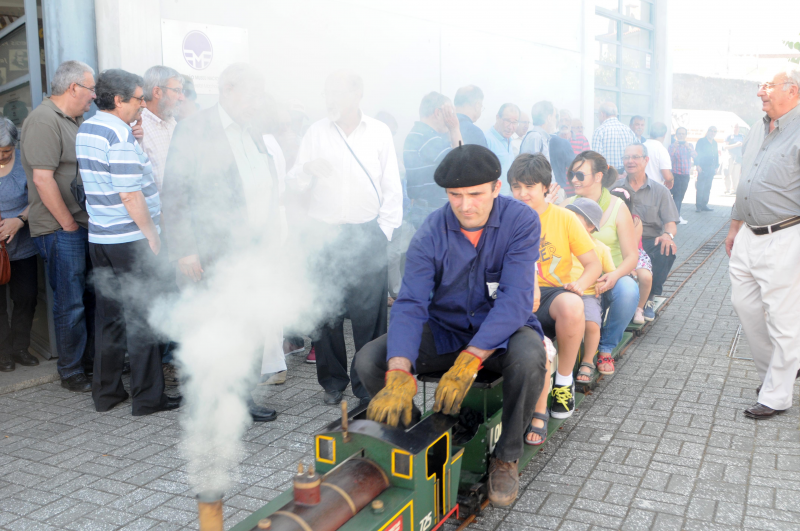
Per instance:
(395,402)
(72,227)
(669,184)
(736,225)
(537,298)
(190,267)
(575,288)
(318,168)
(450,116)
(667,244)
(138,131)
(455,383)
(155,244)
(9,227)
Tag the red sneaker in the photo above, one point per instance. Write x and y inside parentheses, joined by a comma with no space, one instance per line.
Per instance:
(312,356)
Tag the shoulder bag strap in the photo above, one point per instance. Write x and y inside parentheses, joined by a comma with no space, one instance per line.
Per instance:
(346,143)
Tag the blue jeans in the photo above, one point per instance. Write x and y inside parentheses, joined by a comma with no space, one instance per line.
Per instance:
(621,302)
(66,257)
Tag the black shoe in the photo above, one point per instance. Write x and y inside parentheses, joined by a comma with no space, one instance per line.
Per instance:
(332,398)
(77,383)
(173,402)
(563,401)
(262,414)
(6,363)
(24,358)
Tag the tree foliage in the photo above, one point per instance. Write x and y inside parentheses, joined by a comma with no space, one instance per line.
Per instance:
(793,45)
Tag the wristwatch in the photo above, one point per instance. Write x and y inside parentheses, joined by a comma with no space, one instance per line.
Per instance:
(671,237)
(23,220)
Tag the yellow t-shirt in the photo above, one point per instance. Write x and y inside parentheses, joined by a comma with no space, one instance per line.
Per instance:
(606,260)
(562,236)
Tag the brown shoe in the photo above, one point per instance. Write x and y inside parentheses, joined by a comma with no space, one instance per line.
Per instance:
(503,482)
(760,411)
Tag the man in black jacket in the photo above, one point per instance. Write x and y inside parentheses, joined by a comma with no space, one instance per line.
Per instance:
(707,165)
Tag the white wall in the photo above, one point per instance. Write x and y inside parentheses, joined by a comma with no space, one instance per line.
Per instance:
(520,51)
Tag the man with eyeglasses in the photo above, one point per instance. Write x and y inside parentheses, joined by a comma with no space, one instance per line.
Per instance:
(764,256)
(498,139)
(163,94)
(707,162)
(654,205)
(57,223)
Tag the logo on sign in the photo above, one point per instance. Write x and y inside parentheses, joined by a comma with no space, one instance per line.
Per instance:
(397,525)
(197,50)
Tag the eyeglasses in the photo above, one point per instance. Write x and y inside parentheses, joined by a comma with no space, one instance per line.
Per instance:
(771,86)
(626,158)
(510,122)
(576,175)
(140,98)
(174,89)
(90,89)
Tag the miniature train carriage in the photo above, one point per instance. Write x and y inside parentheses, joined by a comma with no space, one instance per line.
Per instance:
(374,478)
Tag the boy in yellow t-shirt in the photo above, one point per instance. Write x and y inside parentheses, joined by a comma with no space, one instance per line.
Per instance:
(560,310)
(590,215)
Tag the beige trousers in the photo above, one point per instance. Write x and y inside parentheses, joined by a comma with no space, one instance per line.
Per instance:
(765,285)
(732,177)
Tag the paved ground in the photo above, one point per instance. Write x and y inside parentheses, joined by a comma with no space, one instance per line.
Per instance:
(661,445)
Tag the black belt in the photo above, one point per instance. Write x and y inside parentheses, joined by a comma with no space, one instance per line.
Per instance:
(769,229)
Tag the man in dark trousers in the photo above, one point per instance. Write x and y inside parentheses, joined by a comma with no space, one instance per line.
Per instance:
(707,162)
(466,303)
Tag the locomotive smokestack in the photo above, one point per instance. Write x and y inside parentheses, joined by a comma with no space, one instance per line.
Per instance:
(209,508)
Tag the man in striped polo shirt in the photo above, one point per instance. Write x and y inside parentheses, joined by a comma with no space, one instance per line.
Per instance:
(124,209)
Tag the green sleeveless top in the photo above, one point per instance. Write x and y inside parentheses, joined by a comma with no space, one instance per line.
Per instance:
(608,232)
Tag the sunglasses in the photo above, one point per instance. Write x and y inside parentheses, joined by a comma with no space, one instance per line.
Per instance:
(576,175)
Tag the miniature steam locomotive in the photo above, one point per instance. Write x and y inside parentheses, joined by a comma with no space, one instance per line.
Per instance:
(371,477)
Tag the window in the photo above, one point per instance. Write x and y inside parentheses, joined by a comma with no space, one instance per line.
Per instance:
(21,58)
(624,45)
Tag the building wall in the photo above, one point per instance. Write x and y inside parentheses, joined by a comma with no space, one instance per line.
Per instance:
(520,51)
(717,94)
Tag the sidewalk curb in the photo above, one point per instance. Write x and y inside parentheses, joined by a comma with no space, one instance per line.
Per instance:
(33,382)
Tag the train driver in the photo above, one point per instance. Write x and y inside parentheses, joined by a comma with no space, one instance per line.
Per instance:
(465,303)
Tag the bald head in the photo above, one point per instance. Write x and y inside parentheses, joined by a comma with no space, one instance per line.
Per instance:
(343,92)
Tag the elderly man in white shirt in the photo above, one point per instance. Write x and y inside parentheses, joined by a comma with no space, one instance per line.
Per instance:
(347,162)
(659,168)
(163,93)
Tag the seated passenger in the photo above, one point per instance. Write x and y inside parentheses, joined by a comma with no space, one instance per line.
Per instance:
(591,176)
(589,213)
(644,268)
(465,303)
(653,203)
(560,308)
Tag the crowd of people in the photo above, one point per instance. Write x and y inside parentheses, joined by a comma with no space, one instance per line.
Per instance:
(547,236)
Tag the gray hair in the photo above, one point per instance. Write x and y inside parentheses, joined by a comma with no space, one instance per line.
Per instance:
(158,76)
(9,134)
(540,111)
(608,108)
(793,76)
(639,144)
(68,72)
(658,129)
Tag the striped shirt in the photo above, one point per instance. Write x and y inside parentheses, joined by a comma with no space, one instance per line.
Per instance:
(579,144)
(423,150)
(611,139)
(111,161)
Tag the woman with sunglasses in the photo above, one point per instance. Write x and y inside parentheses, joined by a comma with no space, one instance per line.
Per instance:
(591,176)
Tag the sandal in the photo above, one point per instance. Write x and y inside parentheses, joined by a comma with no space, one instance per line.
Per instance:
(541,432)
(581,372)
(605,360)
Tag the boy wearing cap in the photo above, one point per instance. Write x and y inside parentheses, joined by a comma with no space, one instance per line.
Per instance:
(465,303)
(561,308)
(589,214)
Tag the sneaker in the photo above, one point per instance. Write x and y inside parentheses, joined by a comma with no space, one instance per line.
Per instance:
(289,347)
(563,401)
(312,356)
(649,310)
(170,375)
(275,378)
(682,221)
(638,316)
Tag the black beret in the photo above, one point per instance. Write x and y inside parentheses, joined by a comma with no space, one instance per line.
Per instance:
(466,166)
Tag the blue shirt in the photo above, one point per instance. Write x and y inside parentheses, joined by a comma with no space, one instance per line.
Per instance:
(13,202)
(111,161)
(423,150)
(561,157)
(446,282)
(470,133)
(501,146)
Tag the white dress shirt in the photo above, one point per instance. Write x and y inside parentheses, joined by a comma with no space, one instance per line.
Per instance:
(346,196)
(659,160)
(155,143)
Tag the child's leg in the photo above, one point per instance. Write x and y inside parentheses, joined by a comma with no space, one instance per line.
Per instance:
(645,283)
(541,404)
(591,340)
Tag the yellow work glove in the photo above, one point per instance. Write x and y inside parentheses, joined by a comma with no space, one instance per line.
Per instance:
(395,401)
(455,383)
